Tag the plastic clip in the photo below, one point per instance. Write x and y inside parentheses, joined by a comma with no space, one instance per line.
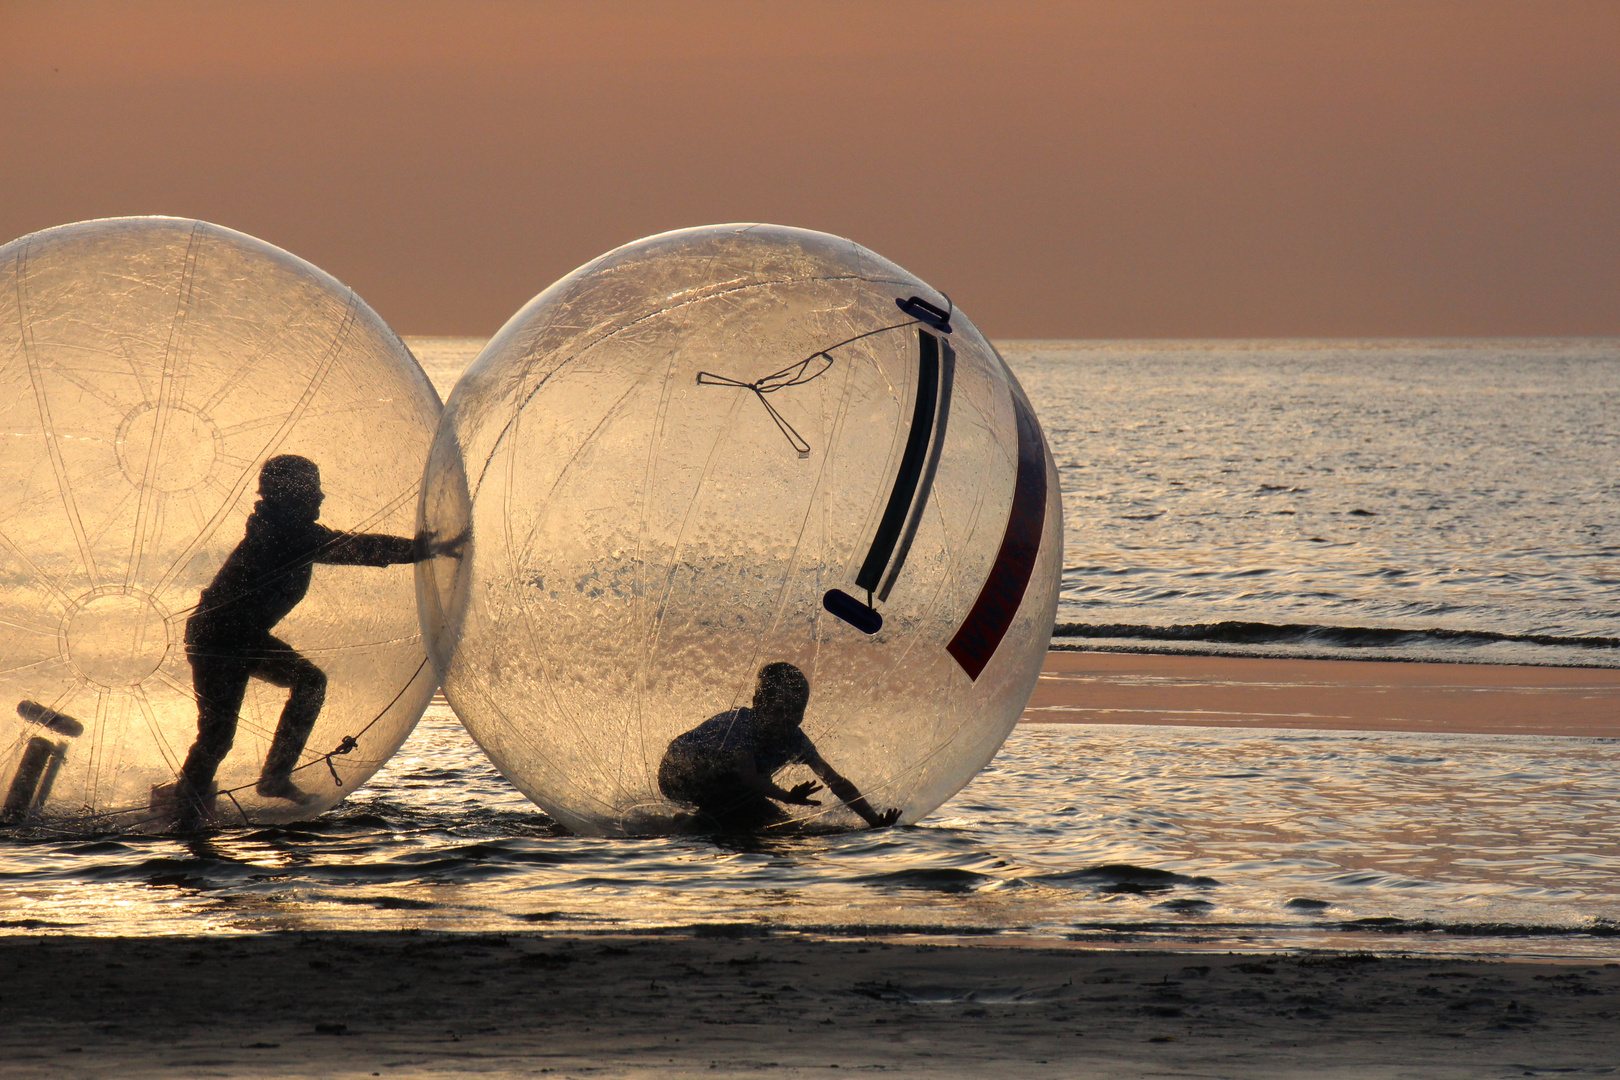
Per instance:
(926,313)
(862,617)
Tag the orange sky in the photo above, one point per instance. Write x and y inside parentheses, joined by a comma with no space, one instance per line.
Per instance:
(1120,168)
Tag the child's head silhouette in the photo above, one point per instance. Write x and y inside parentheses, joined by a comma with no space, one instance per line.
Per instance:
(291,481)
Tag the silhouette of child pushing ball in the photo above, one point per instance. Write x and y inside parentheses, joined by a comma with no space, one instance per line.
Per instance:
(228,639)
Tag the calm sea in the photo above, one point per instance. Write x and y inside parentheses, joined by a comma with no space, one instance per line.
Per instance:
(1324,496)
(1440,500)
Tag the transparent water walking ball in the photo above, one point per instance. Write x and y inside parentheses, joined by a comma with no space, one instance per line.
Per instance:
(212,453)
(721,449)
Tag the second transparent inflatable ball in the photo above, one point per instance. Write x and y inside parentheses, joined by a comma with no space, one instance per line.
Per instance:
(190,416)
(724,448)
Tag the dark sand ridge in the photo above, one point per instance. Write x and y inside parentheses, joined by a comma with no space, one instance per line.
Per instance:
(1084,687)
(423,1005)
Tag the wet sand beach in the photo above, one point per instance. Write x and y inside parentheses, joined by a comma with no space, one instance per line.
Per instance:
(422,1005)
(1086,687)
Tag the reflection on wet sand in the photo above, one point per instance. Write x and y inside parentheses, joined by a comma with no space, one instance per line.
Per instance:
(1085,687)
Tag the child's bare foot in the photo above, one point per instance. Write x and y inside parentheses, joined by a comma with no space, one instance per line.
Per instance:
(282,787)
(183,808)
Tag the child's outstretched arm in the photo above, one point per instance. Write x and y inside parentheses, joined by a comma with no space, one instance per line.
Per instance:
(380,549)
(851,795)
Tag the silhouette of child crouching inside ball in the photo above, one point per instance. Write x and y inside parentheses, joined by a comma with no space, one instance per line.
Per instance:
(723,767)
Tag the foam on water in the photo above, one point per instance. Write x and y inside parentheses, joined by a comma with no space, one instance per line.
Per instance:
(1183,837)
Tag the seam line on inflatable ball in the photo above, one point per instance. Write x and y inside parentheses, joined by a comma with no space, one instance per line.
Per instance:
(992,613)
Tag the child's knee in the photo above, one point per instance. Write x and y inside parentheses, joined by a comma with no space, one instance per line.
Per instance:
(312,679)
